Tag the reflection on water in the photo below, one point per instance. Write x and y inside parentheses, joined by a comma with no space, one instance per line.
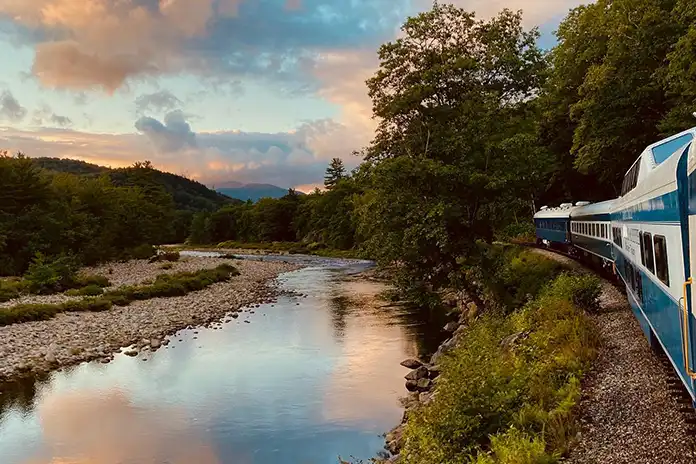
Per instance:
(302,383)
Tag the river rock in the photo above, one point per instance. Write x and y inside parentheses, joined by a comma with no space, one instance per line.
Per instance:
(411,363)
(451,326)
(420,373)
(395,439)
(411,385)
(131,353)
(50,357)
(424,385)
(433,371)
(154,344)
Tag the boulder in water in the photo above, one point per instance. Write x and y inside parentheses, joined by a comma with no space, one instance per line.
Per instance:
(411,363)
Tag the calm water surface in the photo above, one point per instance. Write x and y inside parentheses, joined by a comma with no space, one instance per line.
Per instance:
(307,380)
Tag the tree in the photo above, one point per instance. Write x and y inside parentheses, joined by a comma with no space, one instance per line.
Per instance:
(453,96)
(334,173)
(607,97)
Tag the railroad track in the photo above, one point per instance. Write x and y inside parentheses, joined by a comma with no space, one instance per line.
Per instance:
(675,386)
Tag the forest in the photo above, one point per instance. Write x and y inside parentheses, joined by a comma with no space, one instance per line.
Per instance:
(478,127)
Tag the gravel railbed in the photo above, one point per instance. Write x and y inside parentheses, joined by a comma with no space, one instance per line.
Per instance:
(70,338)
(627,413)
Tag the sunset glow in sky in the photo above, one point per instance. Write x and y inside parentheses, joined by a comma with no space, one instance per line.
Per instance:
(247,90)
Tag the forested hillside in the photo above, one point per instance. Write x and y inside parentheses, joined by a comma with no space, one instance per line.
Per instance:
(187,194)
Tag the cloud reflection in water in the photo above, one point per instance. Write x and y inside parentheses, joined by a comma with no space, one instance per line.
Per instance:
(99,427)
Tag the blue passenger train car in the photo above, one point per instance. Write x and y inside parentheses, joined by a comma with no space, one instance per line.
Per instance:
(553,225)
(649,234)
(591,230)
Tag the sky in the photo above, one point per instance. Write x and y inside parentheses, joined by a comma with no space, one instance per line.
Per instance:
(217,90)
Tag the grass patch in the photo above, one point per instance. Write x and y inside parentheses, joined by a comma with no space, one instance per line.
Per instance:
(38,312)
(89,290)
(509,390)
(164,285)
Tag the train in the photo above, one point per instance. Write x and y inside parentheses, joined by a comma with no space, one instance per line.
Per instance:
(646,238)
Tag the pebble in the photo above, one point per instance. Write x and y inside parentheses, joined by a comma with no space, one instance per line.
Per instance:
(72,338)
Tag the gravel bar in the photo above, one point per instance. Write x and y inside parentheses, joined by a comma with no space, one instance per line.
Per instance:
(627,413)
(70,338)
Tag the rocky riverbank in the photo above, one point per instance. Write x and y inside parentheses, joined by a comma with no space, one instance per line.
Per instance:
(423,377)
(32,348)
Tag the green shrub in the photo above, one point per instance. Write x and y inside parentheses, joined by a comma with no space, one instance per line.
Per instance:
(12,288)
(28,312)
(511,275)
(94,280)
(89,290)
(86,304)
(583,290)
(51,276)
(509,390)
(521,232)
(141,252)
(166,256)
(515,447)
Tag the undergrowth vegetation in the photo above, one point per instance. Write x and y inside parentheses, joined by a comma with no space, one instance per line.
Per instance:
(509,390)
(47,276)
(511,275)
(165,285)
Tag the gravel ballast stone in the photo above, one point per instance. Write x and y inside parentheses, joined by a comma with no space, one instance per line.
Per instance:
(627,412)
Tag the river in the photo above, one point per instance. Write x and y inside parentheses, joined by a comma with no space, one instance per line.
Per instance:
(308,379)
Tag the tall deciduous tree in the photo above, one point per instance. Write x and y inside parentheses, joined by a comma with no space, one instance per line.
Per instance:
(453,98)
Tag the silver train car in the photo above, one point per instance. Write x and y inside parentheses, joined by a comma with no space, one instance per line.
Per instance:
(648,237)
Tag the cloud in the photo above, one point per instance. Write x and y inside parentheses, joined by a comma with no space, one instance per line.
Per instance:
(62,121)
(162,100)
(287,159)
(10,109)
(175,134)
(45,115)
(106,43)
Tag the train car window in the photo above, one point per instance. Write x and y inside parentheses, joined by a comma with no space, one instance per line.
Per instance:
(642,248)
(661,269)
(635,175)
(665,150)
(649,260)
(639,284)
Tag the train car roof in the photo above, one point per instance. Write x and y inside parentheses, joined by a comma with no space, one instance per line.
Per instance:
(594,209)
(654,156)
(556,212)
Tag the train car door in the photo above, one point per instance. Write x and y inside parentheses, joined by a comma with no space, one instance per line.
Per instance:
(686,187)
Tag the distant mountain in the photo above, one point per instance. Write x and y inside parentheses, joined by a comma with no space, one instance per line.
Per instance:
(188,195)
(253,192)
